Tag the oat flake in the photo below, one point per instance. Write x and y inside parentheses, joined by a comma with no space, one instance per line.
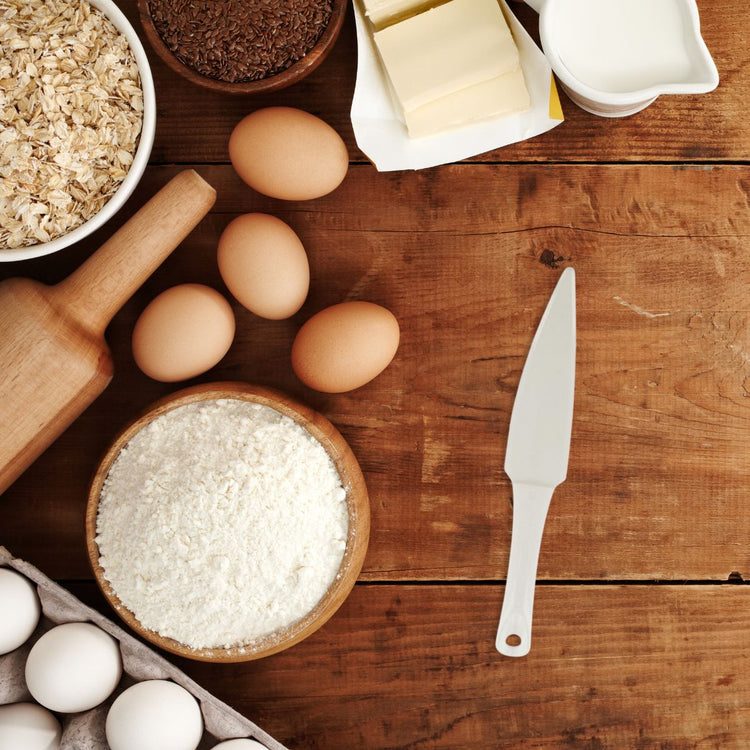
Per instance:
(71,110)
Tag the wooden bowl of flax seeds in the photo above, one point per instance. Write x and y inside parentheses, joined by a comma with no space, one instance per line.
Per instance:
(241,46)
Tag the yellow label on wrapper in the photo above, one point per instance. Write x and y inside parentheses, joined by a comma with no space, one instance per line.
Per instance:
(555,108)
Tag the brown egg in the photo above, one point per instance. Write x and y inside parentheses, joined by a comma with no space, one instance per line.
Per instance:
(264,265)
(287,153)
(183,332)
(345,346)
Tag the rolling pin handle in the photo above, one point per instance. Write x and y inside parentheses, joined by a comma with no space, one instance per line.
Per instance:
(94,293)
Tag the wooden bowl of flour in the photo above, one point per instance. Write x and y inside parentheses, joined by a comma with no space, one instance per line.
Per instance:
(195,593)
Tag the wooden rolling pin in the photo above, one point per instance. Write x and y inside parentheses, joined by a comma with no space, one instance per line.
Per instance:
(53,357)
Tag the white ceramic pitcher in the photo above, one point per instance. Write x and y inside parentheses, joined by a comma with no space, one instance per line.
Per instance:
(614,57)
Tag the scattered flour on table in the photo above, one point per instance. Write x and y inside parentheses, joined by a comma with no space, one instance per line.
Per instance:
(221,522)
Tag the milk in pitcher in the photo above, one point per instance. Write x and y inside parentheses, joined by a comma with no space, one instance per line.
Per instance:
(624,45)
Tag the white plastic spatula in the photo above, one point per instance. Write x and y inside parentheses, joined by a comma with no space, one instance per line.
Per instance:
(536,459)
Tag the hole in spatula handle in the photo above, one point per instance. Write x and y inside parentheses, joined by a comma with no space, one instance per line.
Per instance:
(513,640)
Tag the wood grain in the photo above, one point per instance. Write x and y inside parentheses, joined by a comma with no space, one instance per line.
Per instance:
(194,124)
(653,212)
(465,256)
(415,667)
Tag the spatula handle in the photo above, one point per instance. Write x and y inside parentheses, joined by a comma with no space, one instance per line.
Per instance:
(530,505)
(93,293)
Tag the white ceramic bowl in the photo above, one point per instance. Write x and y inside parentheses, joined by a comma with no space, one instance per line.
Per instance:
(140,160)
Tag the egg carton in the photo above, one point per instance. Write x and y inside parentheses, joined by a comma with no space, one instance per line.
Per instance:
(85,730)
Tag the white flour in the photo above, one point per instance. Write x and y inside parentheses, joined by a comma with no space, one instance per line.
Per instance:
(221,522)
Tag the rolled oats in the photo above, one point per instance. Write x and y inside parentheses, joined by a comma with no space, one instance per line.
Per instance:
(71,110)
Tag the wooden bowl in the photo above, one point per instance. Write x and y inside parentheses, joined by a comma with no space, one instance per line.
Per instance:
(358,511)
(294,73)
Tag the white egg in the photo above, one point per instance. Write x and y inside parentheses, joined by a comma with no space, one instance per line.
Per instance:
(21,610)
(73,667)
(239,744)
(26,726)
(154,715)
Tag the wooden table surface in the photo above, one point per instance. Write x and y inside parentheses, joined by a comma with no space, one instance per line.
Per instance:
(642,618)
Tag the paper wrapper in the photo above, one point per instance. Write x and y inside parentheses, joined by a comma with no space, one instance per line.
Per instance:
(381,134)
(85,731)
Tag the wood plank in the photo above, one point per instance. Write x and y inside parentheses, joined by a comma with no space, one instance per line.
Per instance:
(194,124)
(415,667)
(659,478)
(466,256)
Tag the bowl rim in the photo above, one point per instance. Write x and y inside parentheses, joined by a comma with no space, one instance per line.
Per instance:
(294,73)
(358,508)
(140,158)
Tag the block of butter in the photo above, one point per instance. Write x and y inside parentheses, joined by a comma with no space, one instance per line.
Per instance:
(385,12)
(378,120)
(452,64)
(502,95)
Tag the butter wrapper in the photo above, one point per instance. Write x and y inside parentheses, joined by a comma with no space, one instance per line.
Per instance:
(381,133)
(85,731)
